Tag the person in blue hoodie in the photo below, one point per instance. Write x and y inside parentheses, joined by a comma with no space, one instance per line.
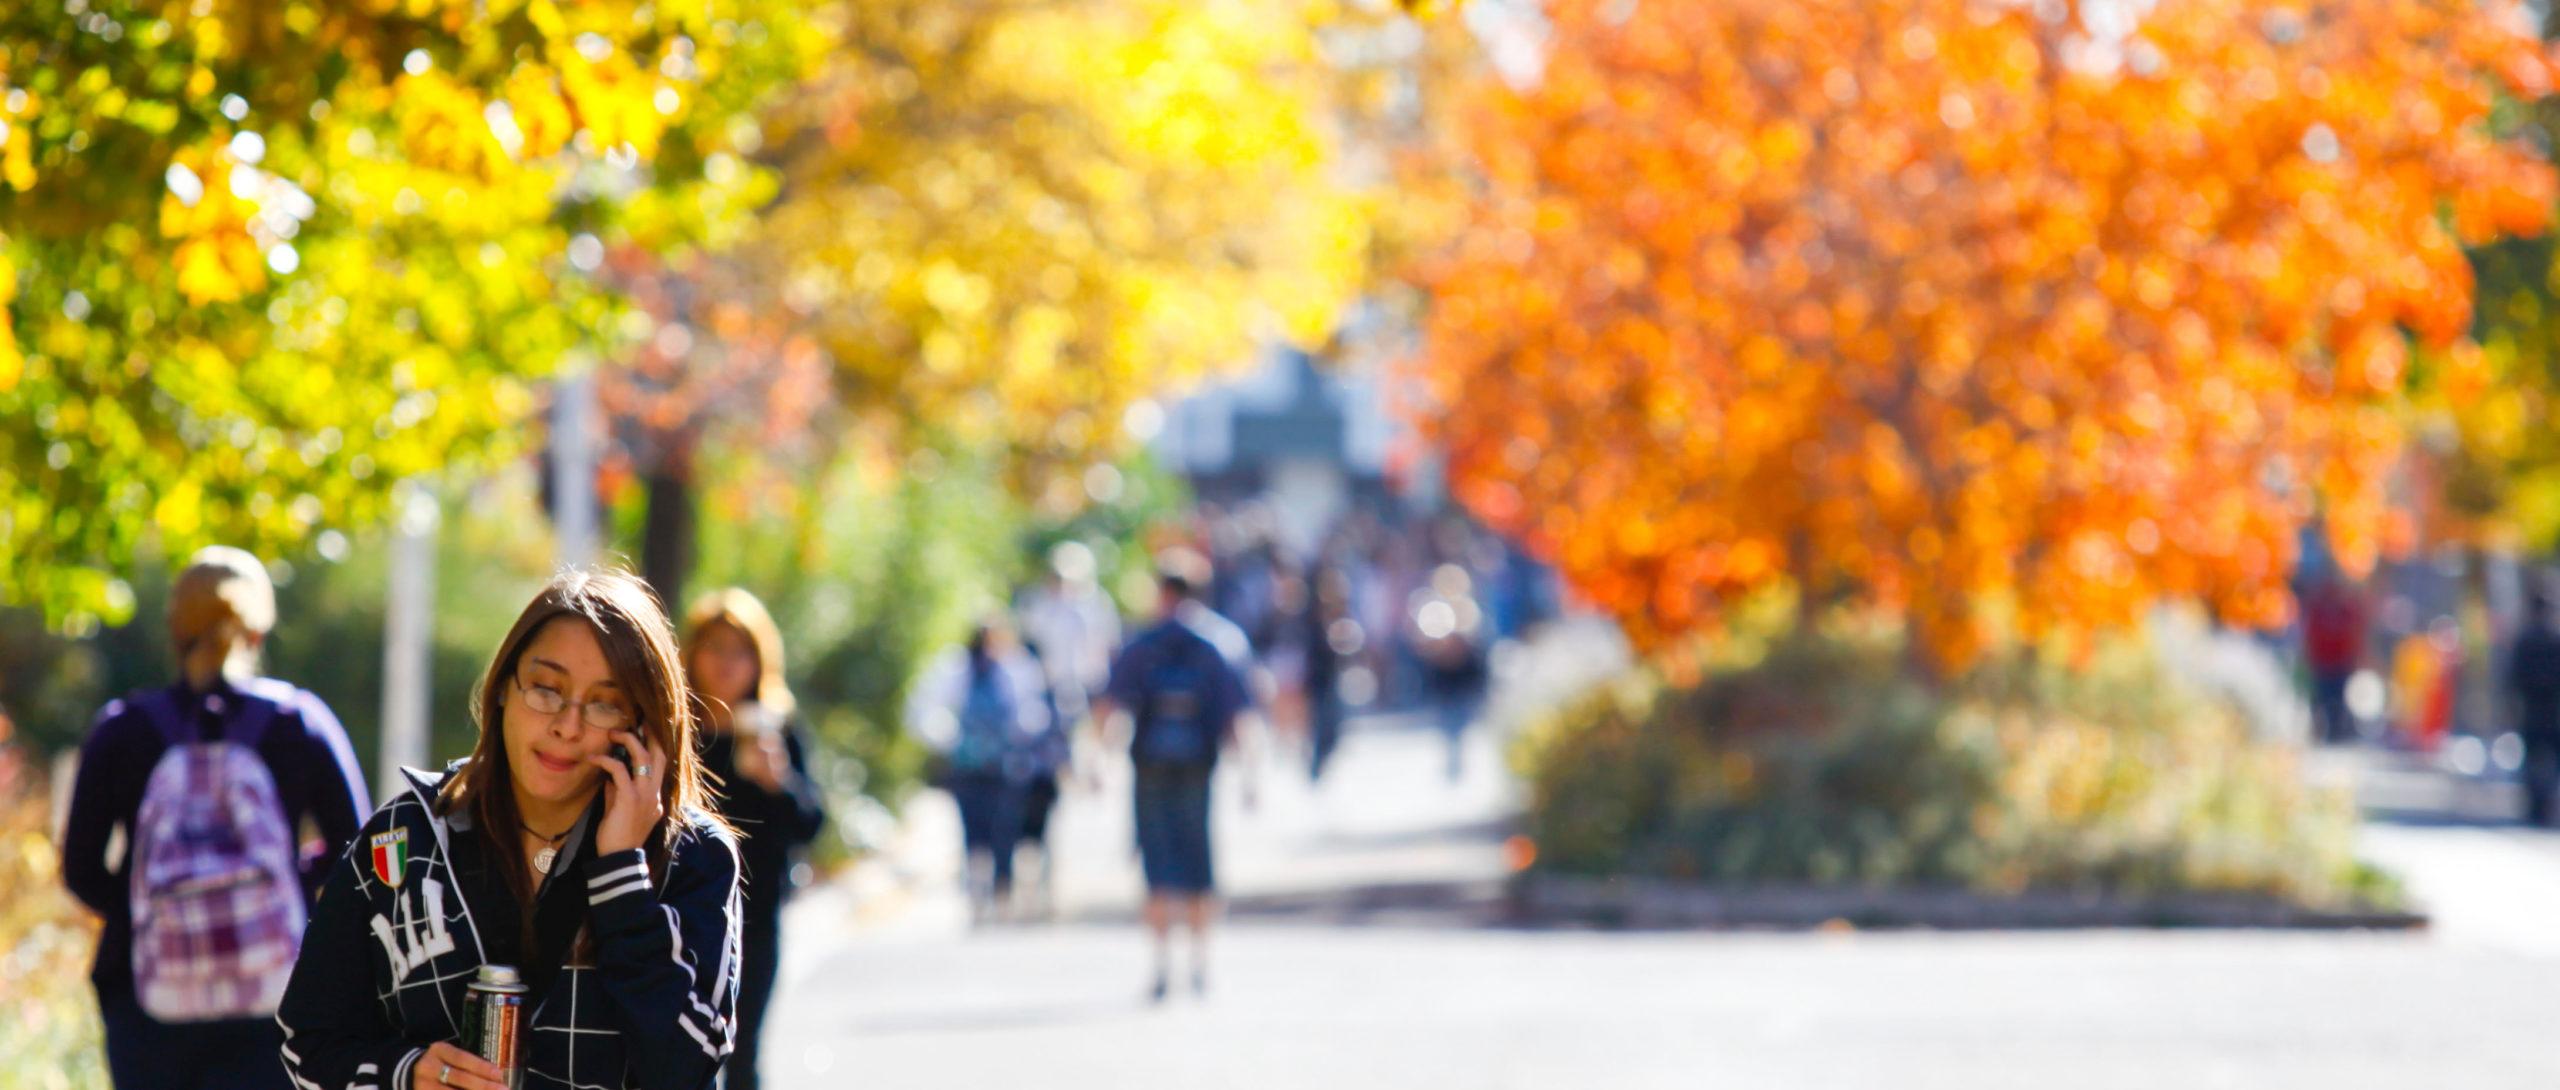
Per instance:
(576,844)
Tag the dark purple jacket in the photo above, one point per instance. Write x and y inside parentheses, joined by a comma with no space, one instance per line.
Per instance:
(305,749)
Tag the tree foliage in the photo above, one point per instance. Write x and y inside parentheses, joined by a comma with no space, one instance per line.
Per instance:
(2489,439)
(1005,221)
(2023,314)
(261,259)
(997,225)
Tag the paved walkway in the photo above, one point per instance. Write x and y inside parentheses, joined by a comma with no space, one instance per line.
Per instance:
(2488,882)
(887,985)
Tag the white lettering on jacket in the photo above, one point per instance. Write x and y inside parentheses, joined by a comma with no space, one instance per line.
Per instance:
(418,937)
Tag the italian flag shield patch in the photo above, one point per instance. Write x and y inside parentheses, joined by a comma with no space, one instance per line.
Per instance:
(391,856)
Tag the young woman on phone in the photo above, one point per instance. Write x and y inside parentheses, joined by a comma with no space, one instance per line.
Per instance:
(575,845)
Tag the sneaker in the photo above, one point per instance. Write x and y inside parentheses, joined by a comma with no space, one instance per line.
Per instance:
(1199,981)
(1161,987)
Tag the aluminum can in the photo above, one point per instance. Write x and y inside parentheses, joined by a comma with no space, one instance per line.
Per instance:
(493,1020)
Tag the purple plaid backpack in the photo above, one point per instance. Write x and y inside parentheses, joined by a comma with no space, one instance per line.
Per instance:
(217,900)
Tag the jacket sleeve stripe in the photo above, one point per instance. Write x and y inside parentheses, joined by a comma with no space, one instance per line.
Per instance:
(693,993)
(600,896)
(400,1074)
(615,877)
(293,1060)
(686,1020)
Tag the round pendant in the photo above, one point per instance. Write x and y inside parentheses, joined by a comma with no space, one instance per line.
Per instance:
(542,859)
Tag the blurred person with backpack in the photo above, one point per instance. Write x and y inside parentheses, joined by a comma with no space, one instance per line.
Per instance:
(983,708)
(1183,682)
(756,752)
(210,782)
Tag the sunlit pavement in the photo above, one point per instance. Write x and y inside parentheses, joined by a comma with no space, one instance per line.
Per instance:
(918,1000)
(887,984)
(1391,1008)
(2489,883)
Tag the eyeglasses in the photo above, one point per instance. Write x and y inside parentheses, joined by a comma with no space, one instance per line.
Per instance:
(601,715)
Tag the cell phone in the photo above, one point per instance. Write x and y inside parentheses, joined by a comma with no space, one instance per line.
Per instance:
(619,752)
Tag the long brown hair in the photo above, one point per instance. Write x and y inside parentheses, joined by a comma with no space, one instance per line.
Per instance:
(740,610)
(640,648)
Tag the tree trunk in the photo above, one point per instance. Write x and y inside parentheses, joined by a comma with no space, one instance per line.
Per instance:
(667,535)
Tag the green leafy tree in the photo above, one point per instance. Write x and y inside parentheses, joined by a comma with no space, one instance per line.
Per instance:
(262,259)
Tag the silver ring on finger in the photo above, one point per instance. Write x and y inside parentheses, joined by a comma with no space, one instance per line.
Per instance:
(445,1076)
(642,770)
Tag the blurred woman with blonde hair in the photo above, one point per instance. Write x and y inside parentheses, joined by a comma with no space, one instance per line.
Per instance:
(216,773)
(754,744)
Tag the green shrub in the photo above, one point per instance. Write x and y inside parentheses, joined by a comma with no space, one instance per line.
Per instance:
(1823,760)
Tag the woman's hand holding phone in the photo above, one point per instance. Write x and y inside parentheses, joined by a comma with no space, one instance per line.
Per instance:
(631,798)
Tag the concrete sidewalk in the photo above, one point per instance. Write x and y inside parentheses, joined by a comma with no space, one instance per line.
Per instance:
(1385,816)
(2487,881)
(885,983)
(924,1001)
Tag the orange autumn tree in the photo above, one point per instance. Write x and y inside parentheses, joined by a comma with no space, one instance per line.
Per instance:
(2010,317)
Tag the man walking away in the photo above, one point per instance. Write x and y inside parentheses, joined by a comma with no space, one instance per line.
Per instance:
(1183,684)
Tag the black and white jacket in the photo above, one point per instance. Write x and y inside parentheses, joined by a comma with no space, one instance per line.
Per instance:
(385,962)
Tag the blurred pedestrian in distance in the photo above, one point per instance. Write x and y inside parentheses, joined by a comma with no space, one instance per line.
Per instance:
(214,774)
(2426,676)
(1246,589)
(2333,636)
(755,750)
(1449,632)
(576,845)
(1400,577)
(2533,675)
(1334,640)
(1073,627)
(1049,757)
(982,708)
(1183,683)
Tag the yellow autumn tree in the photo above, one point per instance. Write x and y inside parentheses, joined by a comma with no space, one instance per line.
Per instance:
(2005,316)
(1006,221)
